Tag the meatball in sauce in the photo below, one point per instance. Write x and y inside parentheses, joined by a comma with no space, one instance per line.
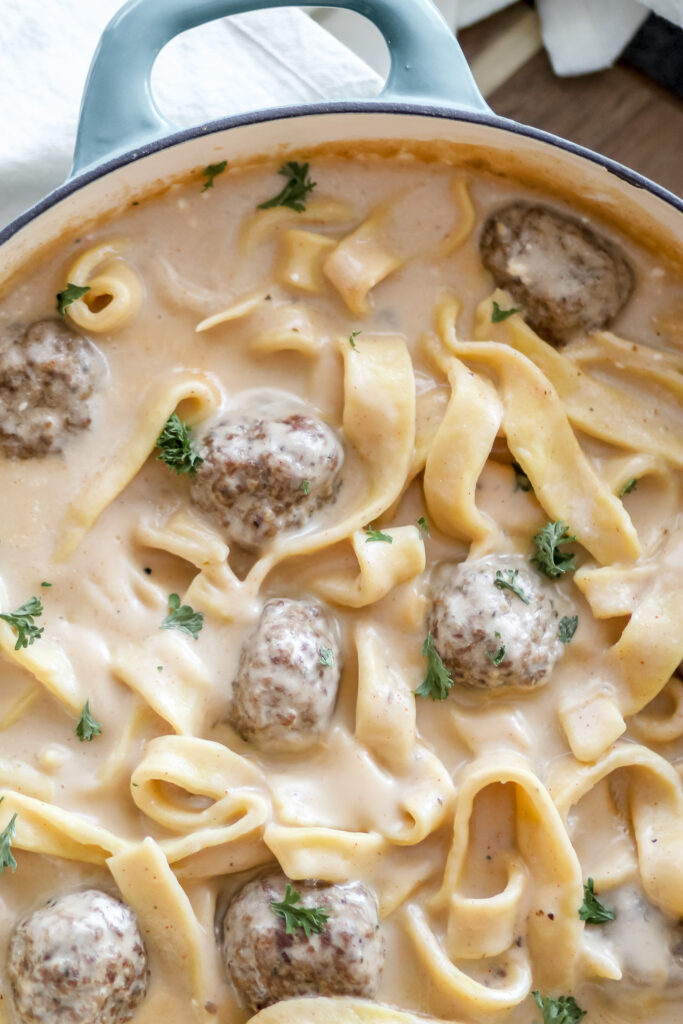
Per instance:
(564,276)
(47,375)
(486,634)
(266,471)
(266,964)
(79,959)
(286,685)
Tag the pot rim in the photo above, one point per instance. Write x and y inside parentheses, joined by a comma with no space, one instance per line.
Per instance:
(72,185)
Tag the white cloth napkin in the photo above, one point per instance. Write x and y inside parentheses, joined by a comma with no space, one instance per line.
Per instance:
(244,63)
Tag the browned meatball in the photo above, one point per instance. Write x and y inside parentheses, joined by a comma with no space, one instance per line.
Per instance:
(286,685)
(79,959)
(564,276)
(266,964)
(266,473)
(47,375)
(486,634)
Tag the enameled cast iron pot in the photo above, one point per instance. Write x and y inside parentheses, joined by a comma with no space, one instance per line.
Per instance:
(125,146)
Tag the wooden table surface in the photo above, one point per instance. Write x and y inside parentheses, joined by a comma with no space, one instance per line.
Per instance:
(618,112)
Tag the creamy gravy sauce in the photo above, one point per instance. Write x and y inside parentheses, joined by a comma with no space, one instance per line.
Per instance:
(184,246)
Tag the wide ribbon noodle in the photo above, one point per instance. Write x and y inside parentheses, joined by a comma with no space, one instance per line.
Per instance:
(115,291)
(43,827)
(538,902)
(337,1010)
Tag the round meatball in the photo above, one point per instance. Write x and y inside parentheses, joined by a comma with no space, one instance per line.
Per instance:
(80,959)
(47,375)
(286,685)
(263,474)
(564,277)
(487,635)
(266,964)
(647,944)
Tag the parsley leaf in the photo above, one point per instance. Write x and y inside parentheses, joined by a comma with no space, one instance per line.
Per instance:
(423,527)
(311,919)
(45,584)
(6,856)
(592,910)
(23,622)
(175,444)
(563,1010)
(437,681)
(629,486)
(69,295)
(567,628)
(211,172)
(183,617)
(87,726)
(326,657)
(548,557)
(376,535)
(506,580)
(497,656)
(522,481)
(498,314)
(352,338)
(305,486)
(295,191)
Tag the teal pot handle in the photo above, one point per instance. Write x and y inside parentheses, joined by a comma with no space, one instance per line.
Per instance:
(118,112)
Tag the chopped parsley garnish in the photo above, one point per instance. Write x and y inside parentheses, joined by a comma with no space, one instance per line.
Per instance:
(211,172)
(295,191)
(326,657)
(377,535)
(23,623)
(496,656)
(69,295)
(548,557)
(423,527)
(498,314)
(629,486)
(507,580)
(45,584)
(522,481)
(175,444)
(352,338)
(437,681)
(183,617)
(305,486)
(87,726)
(6,856)
(567,628)
(563,1010)
(311,919)
(592,910)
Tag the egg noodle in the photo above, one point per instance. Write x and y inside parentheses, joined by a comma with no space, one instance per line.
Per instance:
(478,819)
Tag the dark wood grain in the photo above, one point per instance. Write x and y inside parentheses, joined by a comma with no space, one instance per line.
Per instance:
(618,112)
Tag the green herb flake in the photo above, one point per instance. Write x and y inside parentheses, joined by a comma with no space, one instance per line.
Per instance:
(352,339)
(327,657)
(23,623)
(522,481)
(629,486)
(496,656)
(183,617)
(87,727)
(71,293)
(377,535)
(437,681)
(498,314)
(507,580)
(160,668)
(567,628)
(211,172)
(45,584)
(423,527)
(295,191)
(549,559)
(592,910)
(311,919)
(563,1010)
(305,486)
(6,856)
(175,447)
